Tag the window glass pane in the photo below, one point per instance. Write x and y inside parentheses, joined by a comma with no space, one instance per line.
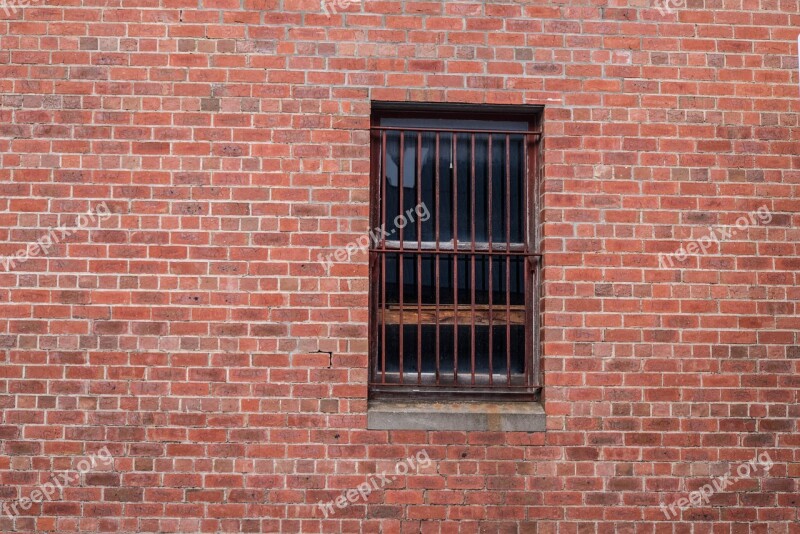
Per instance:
(517,168)
(428,197)
(500,360)
(507,190)
(503,270)
(445,208)
(391,171)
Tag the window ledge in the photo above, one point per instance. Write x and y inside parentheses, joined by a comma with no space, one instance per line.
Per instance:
(451,415)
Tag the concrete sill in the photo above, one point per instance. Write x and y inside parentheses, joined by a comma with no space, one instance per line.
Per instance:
(433,415)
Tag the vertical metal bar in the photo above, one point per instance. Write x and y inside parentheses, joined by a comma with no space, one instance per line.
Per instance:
(374,272)
(526,258)
(508,259)
(436,257)
(525,270)
(490,257)
(455,258)
(401,186)
(419,259)
(472,256)
(382,201)
(532,296)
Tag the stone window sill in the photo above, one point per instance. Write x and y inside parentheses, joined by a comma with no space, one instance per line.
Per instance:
(452,415)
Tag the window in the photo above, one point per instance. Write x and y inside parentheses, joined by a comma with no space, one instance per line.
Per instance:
(453,274)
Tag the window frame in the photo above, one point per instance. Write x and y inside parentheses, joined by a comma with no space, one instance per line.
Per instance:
(532,264)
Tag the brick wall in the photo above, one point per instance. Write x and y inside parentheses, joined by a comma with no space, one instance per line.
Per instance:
(191,331)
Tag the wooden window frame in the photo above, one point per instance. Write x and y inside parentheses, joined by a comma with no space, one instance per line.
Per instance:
(482,387)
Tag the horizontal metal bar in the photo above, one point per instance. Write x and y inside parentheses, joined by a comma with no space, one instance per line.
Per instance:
(453,130)
(476,394)
(448,246)
(432,385)
(493,253)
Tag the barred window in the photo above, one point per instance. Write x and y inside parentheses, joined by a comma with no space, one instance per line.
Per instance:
(454,272)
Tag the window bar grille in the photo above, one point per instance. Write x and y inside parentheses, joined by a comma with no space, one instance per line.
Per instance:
(438,251)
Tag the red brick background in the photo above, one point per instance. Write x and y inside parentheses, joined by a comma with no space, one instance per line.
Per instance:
(197,337)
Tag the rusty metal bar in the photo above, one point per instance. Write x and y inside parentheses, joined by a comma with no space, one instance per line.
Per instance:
(524,181)
(466,248)
(454,163)
(443,252)
(383,256)
(419,258)
(401,284)
(466,253)
(508,259)
(453,386)
(456,130)
(436,259)
(489,230)
(449,253)
(532,179)
(472,256)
